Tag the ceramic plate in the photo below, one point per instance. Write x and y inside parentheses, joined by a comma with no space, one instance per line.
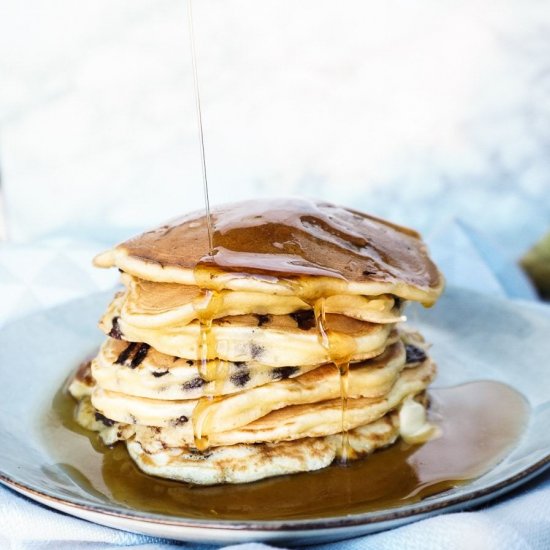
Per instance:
(474,337)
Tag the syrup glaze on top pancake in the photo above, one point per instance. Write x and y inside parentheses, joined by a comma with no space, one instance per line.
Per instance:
(284,239)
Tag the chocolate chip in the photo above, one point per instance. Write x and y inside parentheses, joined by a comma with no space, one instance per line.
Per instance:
(415,354)
(263,319)
(189,362)
(282,373)
(102,418)
(123,357)
(140,355)
(194,384)
(305,318)
(115,331)
(200,455)
(239,364)
(240,378)
(158,374)
(179,421)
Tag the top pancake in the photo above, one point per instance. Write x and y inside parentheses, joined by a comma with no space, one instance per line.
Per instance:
(284,246)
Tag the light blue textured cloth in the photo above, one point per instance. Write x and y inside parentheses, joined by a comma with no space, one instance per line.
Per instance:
(38,276)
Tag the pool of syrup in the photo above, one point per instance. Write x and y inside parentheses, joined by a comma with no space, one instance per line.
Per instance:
(480,423)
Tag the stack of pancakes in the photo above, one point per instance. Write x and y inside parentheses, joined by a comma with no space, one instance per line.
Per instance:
(272,350)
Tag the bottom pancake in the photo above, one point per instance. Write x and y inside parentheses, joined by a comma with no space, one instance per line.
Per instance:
(244,463)
(247,462)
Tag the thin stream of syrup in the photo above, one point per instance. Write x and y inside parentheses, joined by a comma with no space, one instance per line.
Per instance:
(199,121)
(207,309)
(340,349)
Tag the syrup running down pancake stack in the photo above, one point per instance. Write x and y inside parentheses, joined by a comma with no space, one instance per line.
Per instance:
(276,351)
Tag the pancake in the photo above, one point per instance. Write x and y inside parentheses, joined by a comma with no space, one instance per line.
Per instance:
(243,463)
(159,376)
(280,341)
(162,305)
(325,418)
(122,367)
(246,463)
(372,378)
(292,422)
(262,246)
(82,382)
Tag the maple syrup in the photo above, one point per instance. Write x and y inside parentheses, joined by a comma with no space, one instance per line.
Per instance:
(340,349)
(480,424)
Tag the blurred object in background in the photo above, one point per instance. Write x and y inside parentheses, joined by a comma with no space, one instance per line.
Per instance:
(414,111)
(537,264)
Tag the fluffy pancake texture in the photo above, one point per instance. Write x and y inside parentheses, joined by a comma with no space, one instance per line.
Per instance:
(245,463)
(122,367)
(368,379)
(279,341)
(118,368)
(150,305)
(291,422)
(277,351)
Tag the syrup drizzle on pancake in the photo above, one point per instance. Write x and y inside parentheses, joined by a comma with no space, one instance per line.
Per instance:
(209,365)
(289,238)
(340,348)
